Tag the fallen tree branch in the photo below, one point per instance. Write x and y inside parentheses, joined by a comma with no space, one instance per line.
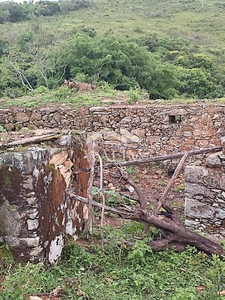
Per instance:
(119,212)
(173,231)
(178,235)
(163,157)
(141,200)
(33,139)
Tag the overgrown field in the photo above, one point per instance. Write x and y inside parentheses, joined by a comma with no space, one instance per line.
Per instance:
(126,270)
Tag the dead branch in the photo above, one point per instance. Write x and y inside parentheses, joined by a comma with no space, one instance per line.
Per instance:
(171,182)
(173,231)
(119,211)
(33,139)
(176,235)
(91,149)
(103,200)
(141,200)
(163,157)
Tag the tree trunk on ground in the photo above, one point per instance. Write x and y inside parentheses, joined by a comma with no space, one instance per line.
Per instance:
(174,233)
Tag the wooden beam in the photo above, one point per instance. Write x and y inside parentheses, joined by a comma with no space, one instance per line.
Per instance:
(164,157)
(171,182)
(29,140)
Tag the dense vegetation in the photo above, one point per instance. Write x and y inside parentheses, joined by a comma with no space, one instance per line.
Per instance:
(121,272)
(167,48)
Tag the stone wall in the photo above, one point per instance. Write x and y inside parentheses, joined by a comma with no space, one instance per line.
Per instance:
(36,211)
(131,131)
(205,195)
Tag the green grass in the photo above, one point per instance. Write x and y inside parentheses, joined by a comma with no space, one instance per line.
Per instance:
(126,270)
(91,98)
(179,18)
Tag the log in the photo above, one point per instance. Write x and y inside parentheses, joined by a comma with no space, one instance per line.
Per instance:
(33,139)
(177,234)
(164,157)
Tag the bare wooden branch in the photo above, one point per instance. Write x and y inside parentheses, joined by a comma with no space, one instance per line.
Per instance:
(141,200)
(164,157)
(91,154)
(171,182)
(33,139)
(173,231)
(178,235)
(119,212)
(103,200)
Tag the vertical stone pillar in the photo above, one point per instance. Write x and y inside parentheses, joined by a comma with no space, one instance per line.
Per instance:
(36,212)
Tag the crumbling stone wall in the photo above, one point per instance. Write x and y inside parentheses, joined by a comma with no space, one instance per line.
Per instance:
(131,131)
(205,195)
(36,211)
(139,131)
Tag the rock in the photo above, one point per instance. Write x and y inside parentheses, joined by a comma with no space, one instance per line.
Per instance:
(22,117)
(213,161)
(9,127)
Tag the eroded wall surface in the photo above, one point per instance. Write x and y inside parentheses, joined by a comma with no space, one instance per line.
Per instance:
(36,211)
(205,195)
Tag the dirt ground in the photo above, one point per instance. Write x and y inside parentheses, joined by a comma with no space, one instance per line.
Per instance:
(152,179)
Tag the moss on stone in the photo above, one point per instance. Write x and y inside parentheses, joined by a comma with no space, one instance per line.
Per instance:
(10,184)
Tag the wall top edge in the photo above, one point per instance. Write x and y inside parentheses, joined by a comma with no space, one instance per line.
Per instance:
(110,107)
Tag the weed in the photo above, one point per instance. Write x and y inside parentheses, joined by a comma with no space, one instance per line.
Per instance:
(128,269)
(2,128)
(161,183)
(131,170)
(139,253)
(133,96)
(156,165)
(180,187)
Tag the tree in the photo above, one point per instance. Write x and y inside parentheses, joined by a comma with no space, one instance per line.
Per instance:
(123,64)
(195,82)
(47,8)
(10,12)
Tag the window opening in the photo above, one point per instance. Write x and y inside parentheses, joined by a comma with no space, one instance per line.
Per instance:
(174,119)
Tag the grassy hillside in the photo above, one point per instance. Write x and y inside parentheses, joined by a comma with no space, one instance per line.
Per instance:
(201,22)
(187,27)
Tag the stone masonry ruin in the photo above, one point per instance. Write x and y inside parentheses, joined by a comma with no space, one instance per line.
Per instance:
(36,211)
(205,195)
(121,131)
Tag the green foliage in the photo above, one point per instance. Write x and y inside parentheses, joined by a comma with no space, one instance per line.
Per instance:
(195,82)
(2,128)
(133,96)
(11,11)
(140,253)
(126,269)
(47,8)
(59,40)
(123,64)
